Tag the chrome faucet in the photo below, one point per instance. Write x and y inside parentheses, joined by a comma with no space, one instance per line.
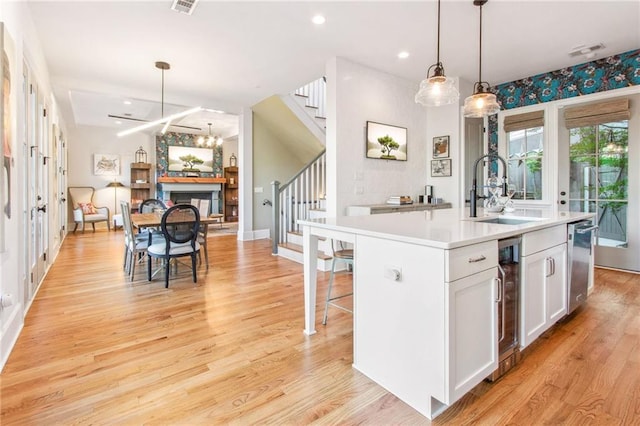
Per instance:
(473,196)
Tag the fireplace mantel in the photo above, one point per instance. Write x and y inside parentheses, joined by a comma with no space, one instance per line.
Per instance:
(169,179)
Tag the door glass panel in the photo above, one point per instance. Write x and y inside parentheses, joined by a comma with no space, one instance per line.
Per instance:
(525,152)
(598,178)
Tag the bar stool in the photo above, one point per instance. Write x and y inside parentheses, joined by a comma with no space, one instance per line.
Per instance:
(340,255)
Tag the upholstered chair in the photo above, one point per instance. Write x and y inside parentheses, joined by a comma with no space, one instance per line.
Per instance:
(84,210)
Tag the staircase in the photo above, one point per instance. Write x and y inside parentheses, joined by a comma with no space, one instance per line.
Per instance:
(302,197)
(308,104)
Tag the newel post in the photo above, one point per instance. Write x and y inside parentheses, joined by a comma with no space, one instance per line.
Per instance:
(275,216)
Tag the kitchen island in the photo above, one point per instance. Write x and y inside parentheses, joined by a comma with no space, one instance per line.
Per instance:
(425,293)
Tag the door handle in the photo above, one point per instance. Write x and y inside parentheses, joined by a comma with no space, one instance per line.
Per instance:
(42,208)
(585,230)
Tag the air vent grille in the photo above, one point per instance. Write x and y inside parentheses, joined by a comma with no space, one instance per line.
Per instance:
(587,51)
(184,6)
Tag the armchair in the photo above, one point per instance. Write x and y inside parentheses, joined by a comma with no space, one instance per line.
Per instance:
(84,211)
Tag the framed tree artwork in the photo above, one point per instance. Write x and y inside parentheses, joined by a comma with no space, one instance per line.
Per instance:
(386,142)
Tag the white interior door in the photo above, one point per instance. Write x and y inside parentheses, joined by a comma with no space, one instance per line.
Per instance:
(598,174)
(35,194)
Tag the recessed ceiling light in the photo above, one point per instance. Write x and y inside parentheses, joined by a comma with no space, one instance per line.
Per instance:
(318,20)
(127,102)
(403,55)
(118,122)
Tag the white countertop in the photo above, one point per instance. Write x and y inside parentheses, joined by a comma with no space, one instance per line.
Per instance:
(444,228)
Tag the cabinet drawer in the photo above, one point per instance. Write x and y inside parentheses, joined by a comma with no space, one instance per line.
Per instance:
(468,260)
(533,242)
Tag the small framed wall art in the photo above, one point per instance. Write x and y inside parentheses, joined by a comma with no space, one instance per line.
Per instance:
(441,147)
(440,168)
(106,164)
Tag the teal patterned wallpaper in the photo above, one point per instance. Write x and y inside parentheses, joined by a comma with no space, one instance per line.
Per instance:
(613,72)
(181,139)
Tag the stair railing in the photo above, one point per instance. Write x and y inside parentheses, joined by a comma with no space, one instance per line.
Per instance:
(315,92)
(294,199)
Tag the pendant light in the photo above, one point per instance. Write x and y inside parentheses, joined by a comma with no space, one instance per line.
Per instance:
(163,66)
(482,102)
(210,139)
(437,89)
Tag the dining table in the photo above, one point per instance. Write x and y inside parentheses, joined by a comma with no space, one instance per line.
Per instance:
(153,219)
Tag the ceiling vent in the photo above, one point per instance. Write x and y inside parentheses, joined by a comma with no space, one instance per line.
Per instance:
(586,51)
(184,6)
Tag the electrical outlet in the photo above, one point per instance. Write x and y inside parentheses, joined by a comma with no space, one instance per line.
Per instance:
(359,190)
(358,175)
(258,190)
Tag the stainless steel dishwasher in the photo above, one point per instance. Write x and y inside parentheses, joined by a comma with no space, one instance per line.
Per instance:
(579,248)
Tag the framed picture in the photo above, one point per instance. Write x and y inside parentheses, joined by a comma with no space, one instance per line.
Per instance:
(440,168)
(8,94)
(106,164)
(441,147)
(386,142)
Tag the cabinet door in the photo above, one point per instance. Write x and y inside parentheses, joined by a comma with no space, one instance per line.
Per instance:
(556,284)
(533,301)
(544,292)
(473,331)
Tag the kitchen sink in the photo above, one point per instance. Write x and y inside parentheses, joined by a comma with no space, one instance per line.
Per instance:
(502,220)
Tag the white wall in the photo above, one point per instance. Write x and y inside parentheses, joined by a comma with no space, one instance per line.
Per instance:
(26,46)
(357,94)
(444,121)
(86,141)
(273,161)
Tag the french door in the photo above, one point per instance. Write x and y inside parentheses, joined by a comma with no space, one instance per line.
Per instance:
(35,199)
(598,173)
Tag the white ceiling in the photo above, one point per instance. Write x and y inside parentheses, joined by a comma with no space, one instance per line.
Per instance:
(231,54)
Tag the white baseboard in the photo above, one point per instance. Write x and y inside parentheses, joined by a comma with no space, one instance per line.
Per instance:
(258,234)
(10,332)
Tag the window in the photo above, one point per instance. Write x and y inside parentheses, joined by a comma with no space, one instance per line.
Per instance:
(525,150)
(598,165)
(598,161)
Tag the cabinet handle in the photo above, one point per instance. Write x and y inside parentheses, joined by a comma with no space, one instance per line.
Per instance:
(551,266)
(500,300)
(477,259)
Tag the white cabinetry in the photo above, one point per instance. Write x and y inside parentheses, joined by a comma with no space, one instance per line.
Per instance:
(426,352)
(544,282)
(472,324)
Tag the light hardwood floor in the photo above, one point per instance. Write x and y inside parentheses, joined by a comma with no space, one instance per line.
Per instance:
(97,349)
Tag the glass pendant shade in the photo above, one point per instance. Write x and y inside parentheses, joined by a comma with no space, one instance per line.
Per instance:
(481,104)
(437,90)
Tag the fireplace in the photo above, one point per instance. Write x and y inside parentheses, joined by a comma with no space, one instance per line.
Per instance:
(183,192)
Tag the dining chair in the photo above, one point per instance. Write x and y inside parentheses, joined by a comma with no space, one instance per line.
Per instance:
(179,226)
(135,243)
(151,204)
(203,207)
(339,254)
